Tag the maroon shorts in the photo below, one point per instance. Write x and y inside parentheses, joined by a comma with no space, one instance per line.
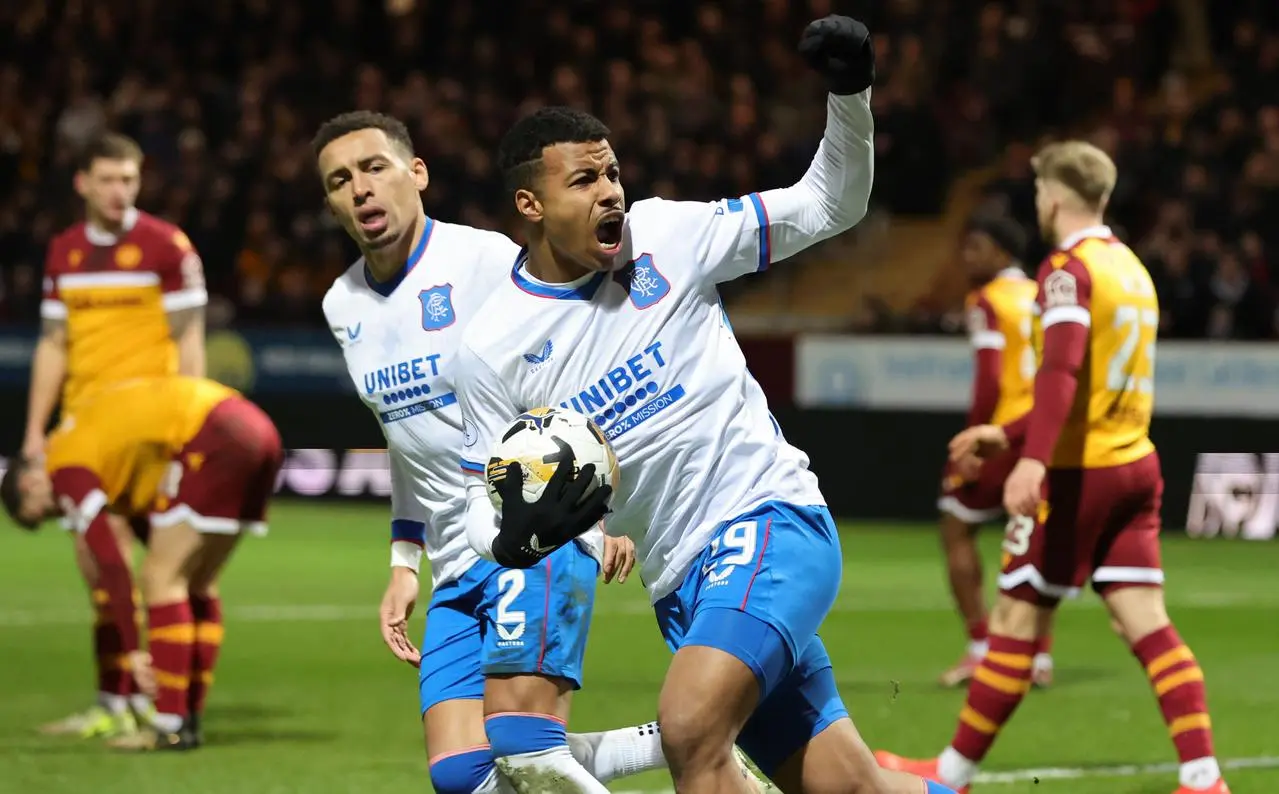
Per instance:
(1098,524)
(223,479)
(977,501)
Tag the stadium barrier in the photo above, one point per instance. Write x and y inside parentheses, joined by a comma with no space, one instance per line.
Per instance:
(1215,407)
(1192,379)
(873,414)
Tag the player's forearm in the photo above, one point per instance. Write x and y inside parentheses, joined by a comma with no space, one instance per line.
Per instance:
(985,386)
(188,327)
(481,520)
(1056,383)
(191,355)
(48,373)
(834,193)
(843,170)
(408,539)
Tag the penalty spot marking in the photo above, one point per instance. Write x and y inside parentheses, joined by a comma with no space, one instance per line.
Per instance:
(1076,773)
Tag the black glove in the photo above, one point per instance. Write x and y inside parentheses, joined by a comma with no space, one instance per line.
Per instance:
(532,530)
(839,48)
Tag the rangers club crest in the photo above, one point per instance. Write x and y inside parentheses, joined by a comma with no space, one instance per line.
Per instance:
(643,282)
(437,307)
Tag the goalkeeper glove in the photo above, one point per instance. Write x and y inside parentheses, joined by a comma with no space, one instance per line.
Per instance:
(839,48)
(529,531)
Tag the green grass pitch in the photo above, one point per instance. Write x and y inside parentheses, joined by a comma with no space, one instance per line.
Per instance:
(308,700)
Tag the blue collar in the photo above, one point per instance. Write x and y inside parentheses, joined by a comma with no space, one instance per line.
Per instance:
(582,290)
(385,288)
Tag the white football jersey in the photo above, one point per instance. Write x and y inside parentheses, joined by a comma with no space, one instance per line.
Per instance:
(647,352)
(399,339)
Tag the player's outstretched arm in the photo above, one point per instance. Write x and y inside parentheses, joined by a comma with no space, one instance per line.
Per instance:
(733,237)
(834,193)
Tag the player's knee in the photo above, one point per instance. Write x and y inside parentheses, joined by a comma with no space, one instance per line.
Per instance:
(957,534)
(1136,611)
(157,569)
(162,581)
(1015,618)
(204,589)
(463,773)
(203,579)
(729,662)
(692,735)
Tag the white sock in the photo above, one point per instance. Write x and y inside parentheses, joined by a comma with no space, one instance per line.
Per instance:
(141,704)
(114,704)
(168,723)
(494,784)
(954,769)
(619,753)
(553,770)
(977,648)
(1043,661)
(1200,773)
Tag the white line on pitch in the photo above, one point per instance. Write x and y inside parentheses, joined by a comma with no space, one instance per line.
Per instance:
(1123,770)
(1075,773)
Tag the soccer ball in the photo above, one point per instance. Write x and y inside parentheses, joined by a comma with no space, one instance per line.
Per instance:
(538,440)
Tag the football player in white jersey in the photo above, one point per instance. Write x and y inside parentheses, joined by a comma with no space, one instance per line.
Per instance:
(616,315)
(501,646)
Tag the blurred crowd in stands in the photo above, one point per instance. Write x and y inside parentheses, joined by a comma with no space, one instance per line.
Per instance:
(705,99)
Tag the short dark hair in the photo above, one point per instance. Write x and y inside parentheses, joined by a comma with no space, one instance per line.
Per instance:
(520,154)
(356,120)
(109,146)
(11,493)
(1007,233)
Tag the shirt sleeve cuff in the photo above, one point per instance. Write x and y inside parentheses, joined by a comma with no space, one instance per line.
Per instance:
(406,555)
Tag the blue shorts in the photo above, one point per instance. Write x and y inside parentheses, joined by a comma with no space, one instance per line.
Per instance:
(496,620)
(759,591)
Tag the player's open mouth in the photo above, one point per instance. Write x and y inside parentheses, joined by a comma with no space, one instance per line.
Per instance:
(372,220)
(609,232)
